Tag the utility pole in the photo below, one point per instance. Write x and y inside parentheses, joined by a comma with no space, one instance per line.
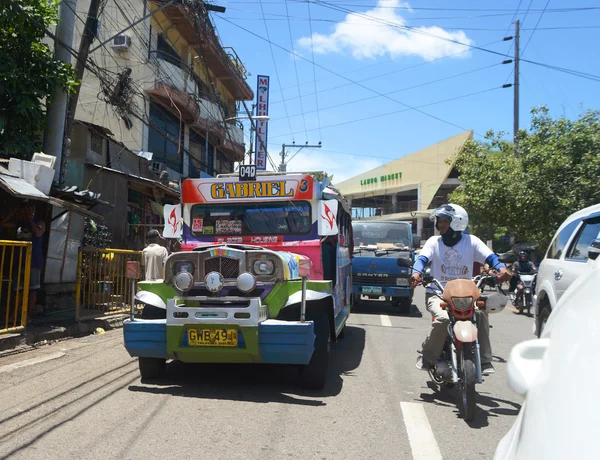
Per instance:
(516,85)
(89,33)
(283,165)
(57,110)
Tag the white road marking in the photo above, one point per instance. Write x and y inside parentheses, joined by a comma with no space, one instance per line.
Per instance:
(422,441)
(385,320)
(32,361)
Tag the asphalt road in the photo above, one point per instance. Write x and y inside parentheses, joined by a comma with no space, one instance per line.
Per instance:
(83,398)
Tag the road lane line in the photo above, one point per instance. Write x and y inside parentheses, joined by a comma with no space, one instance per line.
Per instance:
(385,320)
(32,361)
(422,441)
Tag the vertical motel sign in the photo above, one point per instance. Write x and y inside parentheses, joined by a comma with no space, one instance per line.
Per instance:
(262,109)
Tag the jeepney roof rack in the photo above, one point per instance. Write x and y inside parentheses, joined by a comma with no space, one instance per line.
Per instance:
(273,173)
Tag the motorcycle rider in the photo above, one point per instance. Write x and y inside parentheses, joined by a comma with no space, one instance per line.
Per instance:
(452,255)
(523,265)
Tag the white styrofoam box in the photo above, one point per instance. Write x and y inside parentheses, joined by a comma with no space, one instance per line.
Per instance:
(38,175)
(43,159)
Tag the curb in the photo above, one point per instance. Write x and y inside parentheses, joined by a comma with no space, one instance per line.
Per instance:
(41,335)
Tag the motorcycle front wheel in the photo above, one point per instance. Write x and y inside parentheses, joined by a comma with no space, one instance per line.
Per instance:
(468,377)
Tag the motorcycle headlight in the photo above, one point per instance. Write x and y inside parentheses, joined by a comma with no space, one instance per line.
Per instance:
(179,267)
(263,267)
(462,303)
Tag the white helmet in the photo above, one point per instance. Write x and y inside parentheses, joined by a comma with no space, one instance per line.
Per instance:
(459,219)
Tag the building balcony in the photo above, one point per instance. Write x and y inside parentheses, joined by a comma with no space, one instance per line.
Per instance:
(200,35)
(169,96)
(173,75)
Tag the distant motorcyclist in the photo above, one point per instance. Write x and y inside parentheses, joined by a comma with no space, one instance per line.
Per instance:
(452,256)
(521,266)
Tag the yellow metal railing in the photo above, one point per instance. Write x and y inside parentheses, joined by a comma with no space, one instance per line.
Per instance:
(15,268)
(102,285)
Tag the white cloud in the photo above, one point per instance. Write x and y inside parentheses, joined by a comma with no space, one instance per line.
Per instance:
(342,167)
(365,38)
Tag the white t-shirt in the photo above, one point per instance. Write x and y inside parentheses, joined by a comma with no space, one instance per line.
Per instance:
(154,256)
(449,263)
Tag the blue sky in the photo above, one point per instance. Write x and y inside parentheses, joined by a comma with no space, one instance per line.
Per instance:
(452,86)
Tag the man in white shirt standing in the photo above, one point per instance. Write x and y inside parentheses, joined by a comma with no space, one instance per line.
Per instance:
(154,257)
(452,255)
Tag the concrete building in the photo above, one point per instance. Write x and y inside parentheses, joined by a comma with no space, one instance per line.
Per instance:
(164,87)
(407,188)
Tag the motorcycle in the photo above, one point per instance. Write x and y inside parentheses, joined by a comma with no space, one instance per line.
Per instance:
(460,361)
(524,292)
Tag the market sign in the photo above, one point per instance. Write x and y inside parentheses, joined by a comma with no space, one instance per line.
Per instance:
(384,178)
(262,109)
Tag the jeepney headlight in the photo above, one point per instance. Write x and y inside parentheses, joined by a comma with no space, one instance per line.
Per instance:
(184,281)
(214,281)
(246,282)
(402,282)
(179,267)
(263,267)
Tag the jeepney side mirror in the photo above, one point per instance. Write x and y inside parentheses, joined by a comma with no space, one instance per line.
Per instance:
(404,262)
(416,241)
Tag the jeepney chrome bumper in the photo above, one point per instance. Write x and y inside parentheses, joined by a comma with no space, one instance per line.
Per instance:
(243,311)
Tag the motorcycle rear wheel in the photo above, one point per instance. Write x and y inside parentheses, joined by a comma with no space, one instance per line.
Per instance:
(468,377)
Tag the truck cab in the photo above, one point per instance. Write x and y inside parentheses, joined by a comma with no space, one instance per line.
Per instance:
(375,273)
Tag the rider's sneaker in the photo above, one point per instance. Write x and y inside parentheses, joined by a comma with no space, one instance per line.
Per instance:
(422,365)
(487,369)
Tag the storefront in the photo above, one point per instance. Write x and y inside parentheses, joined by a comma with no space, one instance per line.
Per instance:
(408,188)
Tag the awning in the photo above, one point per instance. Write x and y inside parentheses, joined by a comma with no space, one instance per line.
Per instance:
(22,189)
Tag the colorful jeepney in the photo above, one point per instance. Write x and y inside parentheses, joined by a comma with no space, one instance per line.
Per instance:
(264,277)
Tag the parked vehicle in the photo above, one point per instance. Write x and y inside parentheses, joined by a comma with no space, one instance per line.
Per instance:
(265,277)
(566,259)
(525,292)
(460,362)
(375,273)
(555,374)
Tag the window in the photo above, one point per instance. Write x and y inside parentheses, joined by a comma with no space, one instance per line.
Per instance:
(164,139)
(560,241)
(251,219)
(588,232)
(373,233)
(166,52)
(198,151)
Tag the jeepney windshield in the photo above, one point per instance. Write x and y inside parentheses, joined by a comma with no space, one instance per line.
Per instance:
(382,233)
(251,219)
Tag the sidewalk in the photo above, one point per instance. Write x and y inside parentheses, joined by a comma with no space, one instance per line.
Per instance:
(46,328)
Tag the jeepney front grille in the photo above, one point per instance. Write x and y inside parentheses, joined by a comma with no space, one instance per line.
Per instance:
(226,266)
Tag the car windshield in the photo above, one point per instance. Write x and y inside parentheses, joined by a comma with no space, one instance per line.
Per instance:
(251,219)
(381,234)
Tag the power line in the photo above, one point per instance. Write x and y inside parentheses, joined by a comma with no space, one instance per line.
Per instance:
(275,66)
(416,109)
(450,40)
(296,68)
(536,26)
(407,110)
(391,72)
(409,87)
(312,51)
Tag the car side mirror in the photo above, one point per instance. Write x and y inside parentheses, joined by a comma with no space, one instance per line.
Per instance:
(404,262)
(525,363)
(594,249)
(416,241)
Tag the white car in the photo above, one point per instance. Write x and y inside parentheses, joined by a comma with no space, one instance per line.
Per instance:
(557,374)
(566,259)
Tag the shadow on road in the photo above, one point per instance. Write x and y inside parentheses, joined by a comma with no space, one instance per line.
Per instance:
(259,383)
(451,398)
(381,307)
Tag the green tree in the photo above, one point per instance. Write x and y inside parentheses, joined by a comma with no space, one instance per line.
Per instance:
(531,190)
(29,74)
(320,176)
